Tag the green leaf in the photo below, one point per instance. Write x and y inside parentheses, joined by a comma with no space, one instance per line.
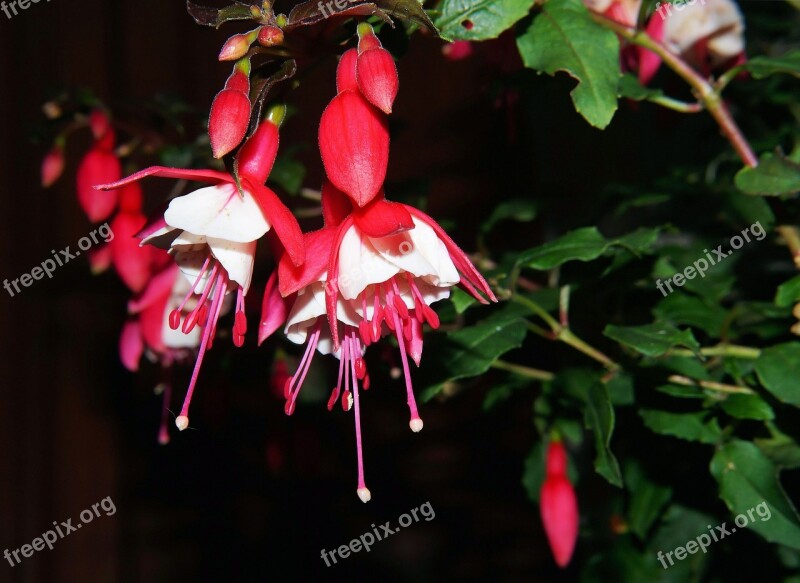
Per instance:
(479,19)
(775,175)
(680,308)
(583,244)
(682,391)
(748,480)
(646,501)
(461,300)
(620,389)
(688,426)
(599,416)
(652,339)
(216,17)
(747,407)
(565,38)
(778,369)
(471,351)
(288,173)
(788,293)
(762,67)
(781,449)
(522,210)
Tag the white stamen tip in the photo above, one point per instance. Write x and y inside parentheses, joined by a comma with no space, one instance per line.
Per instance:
(415,425)
(364,494)
(350,404)
(182,422)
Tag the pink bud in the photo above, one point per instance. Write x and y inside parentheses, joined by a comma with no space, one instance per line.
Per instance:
(257,156)
(52,166)
(346,71)
(99,123)
(458,50)
(227,124)
(234,48)
(559,506)
(366,38)
(98,166)
(354,145)
(270,36)
(376,73)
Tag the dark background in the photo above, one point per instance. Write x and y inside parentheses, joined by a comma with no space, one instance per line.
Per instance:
(249,494)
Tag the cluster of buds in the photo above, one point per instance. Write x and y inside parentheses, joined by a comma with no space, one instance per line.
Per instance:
(559,505)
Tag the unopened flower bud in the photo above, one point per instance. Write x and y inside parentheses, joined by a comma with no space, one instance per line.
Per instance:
(237,46)
(270,36)
(376,74)
(52,166)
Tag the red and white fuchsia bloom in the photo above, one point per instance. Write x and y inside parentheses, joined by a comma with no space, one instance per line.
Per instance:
(212,234)
(559,505)
(376,266)
(708,34)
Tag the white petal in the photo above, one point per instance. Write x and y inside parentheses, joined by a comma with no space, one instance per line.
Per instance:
(190,260)
(176,338)
(421,253)
(236,258)
(309,307)
(218,211)
(360,265)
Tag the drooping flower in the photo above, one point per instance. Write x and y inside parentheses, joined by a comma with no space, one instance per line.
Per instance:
(559,505)
(212,234)
(708,35)
(371,271)
(99,165)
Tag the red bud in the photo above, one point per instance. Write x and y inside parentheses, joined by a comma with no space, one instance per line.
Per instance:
(227,124)
(354,145)
(346,72)
(257,156)
(270,36)
(377,78)
(366,38)
(52,166)
(98,166)
(559,506)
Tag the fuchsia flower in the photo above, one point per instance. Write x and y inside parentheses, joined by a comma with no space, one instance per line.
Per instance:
(373,269)
(100,165)
(559,505)
(212,234)
(132,263)
(708,35)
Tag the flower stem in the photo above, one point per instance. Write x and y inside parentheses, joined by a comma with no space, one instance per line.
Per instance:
(731,350)
(524,371)
(706,93)
(710,385)
(563,333)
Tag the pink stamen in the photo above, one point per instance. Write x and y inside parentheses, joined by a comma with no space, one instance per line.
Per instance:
(163,432)
(362,490)
(182,421)
(416,422)
(296,382)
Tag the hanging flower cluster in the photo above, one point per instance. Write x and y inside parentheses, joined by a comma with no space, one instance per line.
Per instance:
(373,270)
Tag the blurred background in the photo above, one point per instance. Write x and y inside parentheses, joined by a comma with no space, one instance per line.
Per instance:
(249,494)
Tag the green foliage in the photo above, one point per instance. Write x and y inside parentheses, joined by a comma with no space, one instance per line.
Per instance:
(565,38)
